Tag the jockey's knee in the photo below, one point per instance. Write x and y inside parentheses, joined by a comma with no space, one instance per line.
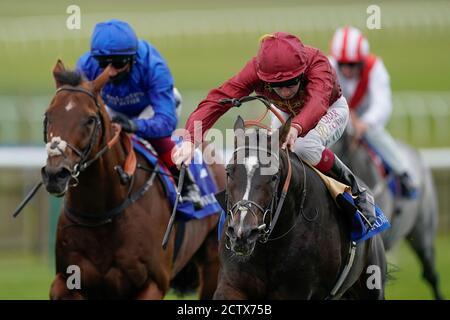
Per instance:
(309,150)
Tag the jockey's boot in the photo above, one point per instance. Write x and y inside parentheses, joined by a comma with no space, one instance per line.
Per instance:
(408,188)
(364,200)
(189,191)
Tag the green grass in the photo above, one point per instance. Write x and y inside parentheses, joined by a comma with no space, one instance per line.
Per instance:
(29,277)
(406,270)
(24,277)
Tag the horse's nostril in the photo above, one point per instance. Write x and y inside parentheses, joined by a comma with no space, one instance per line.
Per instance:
(62,174)
(55,174)
(254,234)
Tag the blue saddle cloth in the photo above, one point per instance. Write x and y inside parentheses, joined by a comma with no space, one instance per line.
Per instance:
(359,231)
(185,209)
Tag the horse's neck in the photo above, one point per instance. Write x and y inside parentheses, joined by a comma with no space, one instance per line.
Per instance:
(296,187)
(99,187)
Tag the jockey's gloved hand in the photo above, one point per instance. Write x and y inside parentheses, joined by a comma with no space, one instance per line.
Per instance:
(126,123)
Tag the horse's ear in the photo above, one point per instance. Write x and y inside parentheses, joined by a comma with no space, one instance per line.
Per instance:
(284,130)
(101,80)
(239,124)
(57,69)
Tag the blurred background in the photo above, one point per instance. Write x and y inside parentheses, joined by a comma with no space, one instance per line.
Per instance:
(205,42)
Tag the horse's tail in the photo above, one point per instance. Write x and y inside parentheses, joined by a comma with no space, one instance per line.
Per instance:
(186,281)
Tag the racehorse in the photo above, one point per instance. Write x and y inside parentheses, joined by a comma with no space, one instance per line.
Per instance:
(301,254)
(413,219)
(111,228)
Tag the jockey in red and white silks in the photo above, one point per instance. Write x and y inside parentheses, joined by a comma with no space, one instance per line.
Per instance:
(365,84)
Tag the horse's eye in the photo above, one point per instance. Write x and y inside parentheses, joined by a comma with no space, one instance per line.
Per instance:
(90,121)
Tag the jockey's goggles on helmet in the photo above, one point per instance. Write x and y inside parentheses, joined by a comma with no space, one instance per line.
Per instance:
(118,62)
(287,83)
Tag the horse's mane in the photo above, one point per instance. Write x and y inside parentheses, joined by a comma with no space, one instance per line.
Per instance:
(70,77)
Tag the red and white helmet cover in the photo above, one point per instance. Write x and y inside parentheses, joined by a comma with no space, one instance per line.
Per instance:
(349,45)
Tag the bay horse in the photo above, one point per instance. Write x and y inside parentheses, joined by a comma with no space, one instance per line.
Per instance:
(300,255)
(415,220)
(109,228)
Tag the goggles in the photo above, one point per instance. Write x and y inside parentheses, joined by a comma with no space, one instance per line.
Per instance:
(118,62)
(287,83)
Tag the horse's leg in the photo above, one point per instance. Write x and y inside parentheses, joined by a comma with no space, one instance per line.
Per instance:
(421,240)
(60,291)
(208,266)
(151,292)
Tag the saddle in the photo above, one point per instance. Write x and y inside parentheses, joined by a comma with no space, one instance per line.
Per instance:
(341,194)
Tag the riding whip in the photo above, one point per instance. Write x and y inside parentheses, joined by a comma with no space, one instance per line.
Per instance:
(172,217)
(27,199)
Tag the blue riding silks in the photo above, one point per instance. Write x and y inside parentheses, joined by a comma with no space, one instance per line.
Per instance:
(359,230)
(185,209)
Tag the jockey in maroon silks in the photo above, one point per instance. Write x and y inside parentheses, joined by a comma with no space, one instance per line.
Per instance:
(302,84)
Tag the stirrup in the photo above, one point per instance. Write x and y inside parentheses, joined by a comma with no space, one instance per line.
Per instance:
(369,224)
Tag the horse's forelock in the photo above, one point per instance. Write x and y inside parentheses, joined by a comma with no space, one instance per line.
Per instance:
(70,77)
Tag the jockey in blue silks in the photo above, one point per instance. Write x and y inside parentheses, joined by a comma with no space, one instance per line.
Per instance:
(140,95)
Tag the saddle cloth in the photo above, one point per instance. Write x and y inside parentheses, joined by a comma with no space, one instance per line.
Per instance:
(203,179)
(341,194)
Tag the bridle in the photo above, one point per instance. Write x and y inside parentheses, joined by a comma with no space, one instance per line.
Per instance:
(264,229)
(98,219)
(83,155)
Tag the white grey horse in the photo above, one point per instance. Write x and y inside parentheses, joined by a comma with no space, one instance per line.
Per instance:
(416,219)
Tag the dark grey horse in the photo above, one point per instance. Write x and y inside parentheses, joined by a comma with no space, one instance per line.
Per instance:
(413,219)
(309,246)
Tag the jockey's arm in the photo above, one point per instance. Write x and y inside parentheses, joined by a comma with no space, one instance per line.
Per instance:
(160,91)
(164,120)
(321,80)
(380,105)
